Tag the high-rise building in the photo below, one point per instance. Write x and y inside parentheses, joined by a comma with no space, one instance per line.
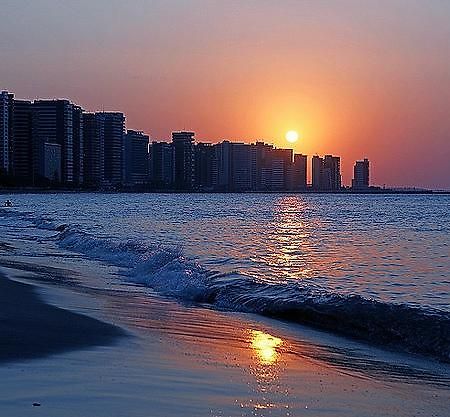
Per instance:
(331,180)
(241,167)
(317,172)
(361,175)
(94,149)
(223,160)
(136,164)
(53,122)
(299,170)
(78,145)
(183,143)
(281,165)
(23,146)
(114,127)
(161,165)
(262,174)
(326,173)
(205,166)
(6,132)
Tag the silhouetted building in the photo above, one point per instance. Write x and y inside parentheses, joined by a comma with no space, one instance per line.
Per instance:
(78,145)
(299,172)
(6,132)
(223,156)
(114,126)
(361,175)
(94,149)
(262,174)
(326,174)
(274,167)
(183,143)
(205,166)
(332,173)
(136,163)
(317,172)
(53,123)
(241,167)
(161,165)
(23,147)
(281,166)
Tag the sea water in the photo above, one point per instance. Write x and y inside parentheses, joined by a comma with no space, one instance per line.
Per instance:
(375,267)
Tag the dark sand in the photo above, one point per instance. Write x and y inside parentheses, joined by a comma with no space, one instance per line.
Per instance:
(30,328)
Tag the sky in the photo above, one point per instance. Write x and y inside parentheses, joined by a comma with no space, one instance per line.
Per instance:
(356,78)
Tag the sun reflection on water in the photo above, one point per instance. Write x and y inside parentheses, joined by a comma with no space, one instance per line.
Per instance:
(266,347)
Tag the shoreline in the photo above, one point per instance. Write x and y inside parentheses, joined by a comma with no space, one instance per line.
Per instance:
(32,329)
(381,191)
(204,362)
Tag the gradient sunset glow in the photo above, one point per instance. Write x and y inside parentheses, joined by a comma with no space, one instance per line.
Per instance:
(355,79)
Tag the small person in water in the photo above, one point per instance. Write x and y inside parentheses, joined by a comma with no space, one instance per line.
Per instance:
(8,203)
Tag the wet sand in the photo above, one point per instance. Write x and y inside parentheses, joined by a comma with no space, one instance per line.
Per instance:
(30,328)
(194,361)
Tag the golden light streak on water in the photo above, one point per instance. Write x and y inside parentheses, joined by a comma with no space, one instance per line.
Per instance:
(265,346)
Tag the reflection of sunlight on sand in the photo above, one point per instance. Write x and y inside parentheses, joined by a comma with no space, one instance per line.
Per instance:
(265,347)
(266,366)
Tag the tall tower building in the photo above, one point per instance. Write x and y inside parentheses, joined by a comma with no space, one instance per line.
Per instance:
(241,166)
(326,173)
(23,146)
(135,157)
(78,145)
(223,162)
(183,143)
(331,180)
(114,131)
(281,167)
(299,169)
(317,172)
(205,166)
(94,149)
(53,122)
(161,164)
(6,132)
(263,159)
(361,175)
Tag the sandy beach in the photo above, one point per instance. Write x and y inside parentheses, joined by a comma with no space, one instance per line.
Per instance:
(61,348)
(32,329)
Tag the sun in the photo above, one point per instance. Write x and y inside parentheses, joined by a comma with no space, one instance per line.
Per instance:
(292,136)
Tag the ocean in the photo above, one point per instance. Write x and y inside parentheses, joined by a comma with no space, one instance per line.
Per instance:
(374,268)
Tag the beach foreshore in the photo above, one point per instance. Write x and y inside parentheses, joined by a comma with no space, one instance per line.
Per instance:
(188,359)
(30,328)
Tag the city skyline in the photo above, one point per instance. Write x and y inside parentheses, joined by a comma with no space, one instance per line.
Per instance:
(355,79)
(57,143)
(347,175)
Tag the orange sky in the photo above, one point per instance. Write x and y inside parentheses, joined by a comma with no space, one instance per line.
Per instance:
(356,79)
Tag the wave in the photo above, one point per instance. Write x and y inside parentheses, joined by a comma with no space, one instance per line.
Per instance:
(40,221)
(169,272)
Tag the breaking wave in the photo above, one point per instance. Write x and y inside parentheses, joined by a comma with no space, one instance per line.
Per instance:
(167,271)
(419,330)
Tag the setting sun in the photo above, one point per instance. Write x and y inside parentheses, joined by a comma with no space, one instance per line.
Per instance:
(291,136)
